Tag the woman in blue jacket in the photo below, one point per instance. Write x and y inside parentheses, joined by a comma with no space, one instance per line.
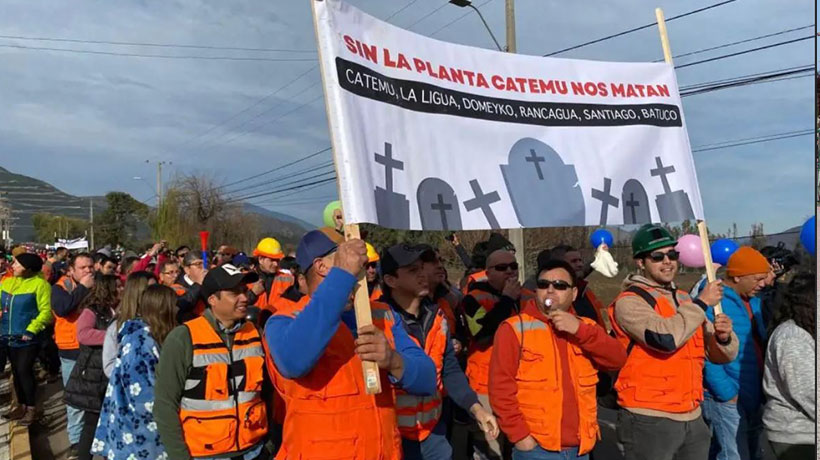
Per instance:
(25,299)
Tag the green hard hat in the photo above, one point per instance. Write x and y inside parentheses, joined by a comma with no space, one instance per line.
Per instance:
(651,237)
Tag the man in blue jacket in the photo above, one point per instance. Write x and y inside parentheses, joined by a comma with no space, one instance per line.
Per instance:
(733,401)
(301,337)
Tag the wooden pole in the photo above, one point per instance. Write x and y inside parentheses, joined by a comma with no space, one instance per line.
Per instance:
(702,230)
(516,234)
(361,300)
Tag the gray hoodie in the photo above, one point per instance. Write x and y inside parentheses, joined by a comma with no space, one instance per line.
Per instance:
(789,383)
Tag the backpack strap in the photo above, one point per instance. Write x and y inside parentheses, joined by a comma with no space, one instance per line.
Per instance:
(648,298)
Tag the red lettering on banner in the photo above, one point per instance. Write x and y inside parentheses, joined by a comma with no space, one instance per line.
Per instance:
(577,88)
(498,82)
(457,75)
(522,84)
(419,65)
(602,89)
(481,81)
(403,64)
(470,76)
(650,91)
(387,61)
(511,84)
(350,43)
(618,90)
(442,73)
(663,90)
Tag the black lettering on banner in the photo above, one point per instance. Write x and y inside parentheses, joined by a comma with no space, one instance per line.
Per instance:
(427,98)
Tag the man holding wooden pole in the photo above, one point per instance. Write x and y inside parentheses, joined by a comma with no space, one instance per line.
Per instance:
(667,337)
(318,346)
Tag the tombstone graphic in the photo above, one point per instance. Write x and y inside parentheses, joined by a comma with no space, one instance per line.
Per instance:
(392,209)
(672,206)
(483,201)
(606,200)
(544,191)
(438,205)
(636,204)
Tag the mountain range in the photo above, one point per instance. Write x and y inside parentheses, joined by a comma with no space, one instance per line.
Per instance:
(27,196)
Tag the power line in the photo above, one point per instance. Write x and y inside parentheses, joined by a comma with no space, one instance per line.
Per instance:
(752,140)
(726,45)
(276,168)
(426,16)
(726,80)
(155,45)
(217,139)
(458,18)
(314,176)
(635,29)
(400,10)
(284,176)
(323,181)
(157,56)
(780,76)
(760,48)
(246,109)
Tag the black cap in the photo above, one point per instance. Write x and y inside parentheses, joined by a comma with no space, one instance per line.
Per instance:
(399,255)
(496,242)
(30,261)
(224,278)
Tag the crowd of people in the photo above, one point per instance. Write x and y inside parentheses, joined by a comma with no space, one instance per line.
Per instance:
(171,356)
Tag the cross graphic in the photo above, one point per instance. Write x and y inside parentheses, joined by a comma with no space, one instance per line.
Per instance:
(607,200)
(663,171)
(442,208)
(632,204)
(533,158)
(389,165)
(483,201)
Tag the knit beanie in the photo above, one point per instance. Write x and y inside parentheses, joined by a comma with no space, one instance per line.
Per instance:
(31,262)
(747,261)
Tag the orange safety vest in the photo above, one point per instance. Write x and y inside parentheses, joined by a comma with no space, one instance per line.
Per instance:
(65,329)
(376,294)
(281,282)
(448,304)
(478,356)
(539,384)
(216,416)
(667,382)
(178,289)
(418,415)
(328,413)
(477,277)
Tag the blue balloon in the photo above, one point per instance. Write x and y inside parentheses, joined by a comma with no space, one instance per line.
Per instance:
(807,236)
(722,250)
(601,236)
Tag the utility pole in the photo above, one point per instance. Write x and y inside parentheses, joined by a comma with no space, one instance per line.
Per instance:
(159,179)
(5,222)
(516,234)
(91,219)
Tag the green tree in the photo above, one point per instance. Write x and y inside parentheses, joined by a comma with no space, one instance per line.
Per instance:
(118,223)
(48,227)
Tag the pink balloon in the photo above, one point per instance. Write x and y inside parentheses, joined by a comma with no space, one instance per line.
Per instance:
(691,252)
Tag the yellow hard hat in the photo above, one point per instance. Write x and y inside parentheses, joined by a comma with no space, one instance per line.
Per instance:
(269,247)
(372,255)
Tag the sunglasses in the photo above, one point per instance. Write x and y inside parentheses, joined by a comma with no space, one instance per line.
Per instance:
(559,285)
(659,256)
(503,267)
(371,264)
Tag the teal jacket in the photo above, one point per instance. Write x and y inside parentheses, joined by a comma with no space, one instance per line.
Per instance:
(26,306)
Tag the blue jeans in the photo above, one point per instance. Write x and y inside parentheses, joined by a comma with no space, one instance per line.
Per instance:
(736,433)
(74,417)
(540,454)
(435,447)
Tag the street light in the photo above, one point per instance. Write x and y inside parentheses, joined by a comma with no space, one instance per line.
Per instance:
(469,4)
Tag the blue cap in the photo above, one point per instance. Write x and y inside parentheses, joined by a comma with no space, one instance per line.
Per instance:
(313,245)
(240,260)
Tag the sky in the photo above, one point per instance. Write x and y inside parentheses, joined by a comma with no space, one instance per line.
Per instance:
(90,123)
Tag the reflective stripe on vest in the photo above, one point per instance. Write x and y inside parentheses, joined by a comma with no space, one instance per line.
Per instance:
(221,409)
(418,415)
(650,379)
(540,385)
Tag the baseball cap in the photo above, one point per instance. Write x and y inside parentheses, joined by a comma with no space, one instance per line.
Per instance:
(400,255)
(313,245)
(224,278)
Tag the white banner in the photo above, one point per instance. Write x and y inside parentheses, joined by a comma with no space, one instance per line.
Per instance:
(76,243)
(431,135)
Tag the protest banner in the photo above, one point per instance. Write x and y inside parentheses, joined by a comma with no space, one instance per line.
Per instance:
(430,135)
